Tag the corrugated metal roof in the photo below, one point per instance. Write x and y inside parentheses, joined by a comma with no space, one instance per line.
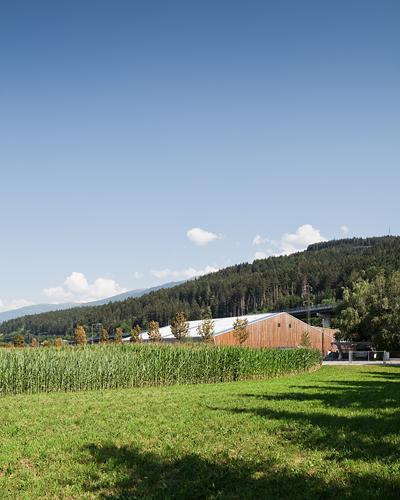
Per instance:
(221,325)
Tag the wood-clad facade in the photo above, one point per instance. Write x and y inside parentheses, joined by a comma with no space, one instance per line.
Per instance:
(280,330)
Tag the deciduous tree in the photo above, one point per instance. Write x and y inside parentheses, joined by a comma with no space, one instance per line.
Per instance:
(154,332)
(34,342)
(118,336)
(240,333)
(371,311)
(46,343)
(80,336)
(305,340)
(179,326)
(135,335)
(104,339)
(19,341)
(206,330)
(58,342)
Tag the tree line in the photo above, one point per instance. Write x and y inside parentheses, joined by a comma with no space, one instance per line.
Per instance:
(275,283)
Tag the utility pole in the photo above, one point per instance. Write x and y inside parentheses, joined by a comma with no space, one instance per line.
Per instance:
(306,294)
(95,324)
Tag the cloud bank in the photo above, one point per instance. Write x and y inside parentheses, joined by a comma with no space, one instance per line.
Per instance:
(201,237)
(77,289)
(186,273)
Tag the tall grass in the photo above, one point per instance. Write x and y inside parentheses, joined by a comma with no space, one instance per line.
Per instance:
(123,366)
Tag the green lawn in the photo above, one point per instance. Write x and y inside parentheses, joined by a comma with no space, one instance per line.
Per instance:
(333,433)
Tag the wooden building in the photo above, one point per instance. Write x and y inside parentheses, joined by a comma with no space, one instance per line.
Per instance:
(266,330)
(279,330)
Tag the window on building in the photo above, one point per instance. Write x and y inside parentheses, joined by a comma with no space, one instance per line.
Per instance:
(279,325)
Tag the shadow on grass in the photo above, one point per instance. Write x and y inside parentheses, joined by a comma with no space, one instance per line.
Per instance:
(127,473)
(350,419)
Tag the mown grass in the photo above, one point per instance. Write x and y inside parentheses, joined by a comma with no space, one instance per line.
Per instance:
(329,434)
(124,366)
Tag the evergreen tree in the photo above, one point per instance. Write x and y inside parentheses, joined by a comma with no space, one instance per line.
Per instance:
(154,332)
(80,336)
(118,336)
(179,326)
(206,330)
(241,334)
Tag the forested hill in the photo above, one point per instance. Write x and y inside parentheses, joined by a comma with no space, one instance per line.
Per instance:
(268,284)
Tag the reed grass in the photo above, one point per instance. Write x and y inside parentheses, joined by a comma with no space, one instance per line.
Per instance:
(29,371)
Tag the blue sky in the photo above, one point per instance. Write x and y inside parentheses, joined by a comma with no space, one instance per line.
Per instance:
(261,125)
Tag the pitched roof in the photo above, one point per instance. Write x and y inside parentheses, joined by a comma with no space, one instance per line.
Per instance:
(221,325)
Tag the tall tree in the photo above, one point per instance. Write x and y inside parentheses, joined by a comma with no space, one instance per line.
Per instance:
(179,326)
(80,336)
(240,333)
(206,330)
(371,311)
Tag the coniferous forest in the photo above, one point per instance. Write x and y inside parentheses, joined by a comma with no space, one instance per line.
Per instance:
(271,284)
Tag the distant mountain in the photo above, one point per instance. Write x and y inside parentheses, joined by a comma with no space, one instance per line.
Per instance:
(42,308)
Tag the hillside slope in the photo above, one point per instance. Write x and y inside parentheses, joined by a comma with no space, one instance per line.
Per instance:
(268,284)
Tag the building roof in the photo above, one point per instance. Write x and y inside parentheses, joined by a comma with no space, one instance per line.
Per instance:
(221,325)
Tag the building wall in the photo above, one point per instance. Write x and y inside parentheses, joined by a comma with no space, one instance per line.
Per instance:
(268,333)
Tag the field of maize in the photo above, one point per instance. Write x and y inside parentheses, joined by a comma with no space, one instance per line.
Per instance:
(29,371)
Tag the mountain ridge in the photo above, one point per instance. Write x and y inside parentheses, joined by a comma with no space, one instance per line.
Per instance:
(44,308)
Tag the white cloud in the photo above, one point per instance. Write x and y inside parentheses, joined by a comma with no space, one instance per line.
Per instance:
(186,273)
(290,243)
(163,274)
(14,304)
(258,240)
(77,289)
(304,236)
(344,229)
(201,237)
(260,255)
(137,275)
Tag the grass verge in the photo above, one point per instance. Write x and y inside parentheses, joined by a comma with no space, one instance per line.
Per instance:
(330,434)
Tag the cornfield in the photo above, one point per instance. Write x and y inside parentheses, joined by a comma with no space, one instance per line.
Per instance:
(123,366)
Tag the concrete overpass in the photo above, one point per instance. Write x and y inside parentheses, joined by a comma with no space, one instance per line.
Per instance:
(324,311)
